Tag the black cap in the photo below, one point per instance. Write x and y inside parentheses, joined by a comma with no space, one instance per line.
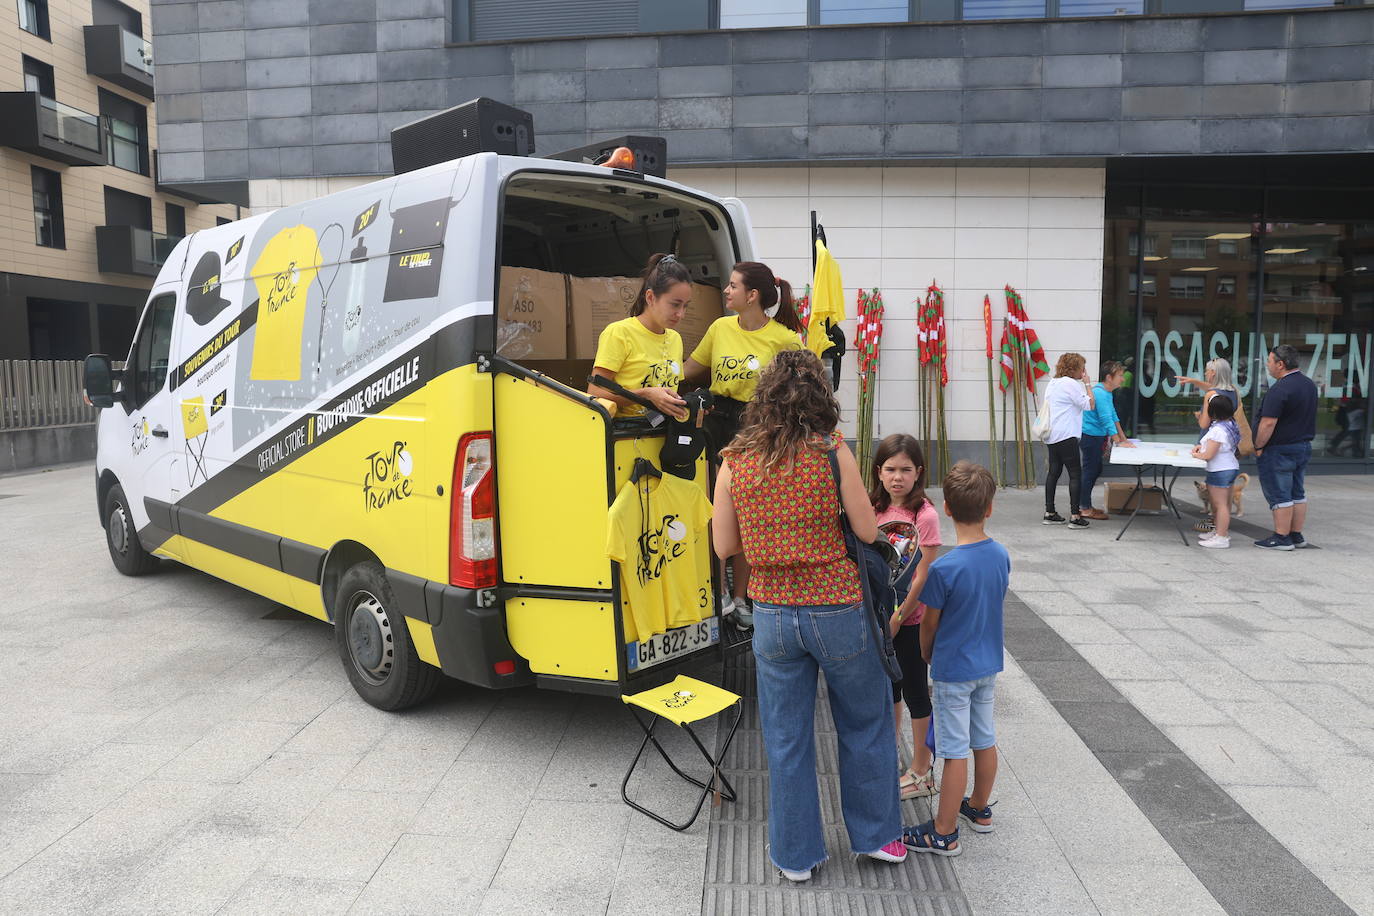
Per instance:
(203,301)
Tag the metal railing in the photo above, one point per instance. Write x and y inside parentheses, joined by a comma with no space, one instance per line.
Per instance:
(42,392)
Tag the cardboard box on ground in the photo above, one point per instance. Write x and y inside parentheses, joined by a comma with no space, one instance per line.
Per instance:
(1119,499)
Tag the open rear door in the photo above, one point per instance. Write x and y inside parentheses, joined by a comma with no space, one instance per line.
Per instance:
(559,463)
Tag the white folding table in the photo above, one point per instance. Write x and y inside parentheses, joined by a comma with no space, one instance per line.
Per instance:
(1159,457)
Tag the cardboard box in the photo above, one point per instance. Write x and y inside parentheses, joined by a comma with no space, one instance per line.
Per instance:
(594,303)
(532,314)
(1119,499)
(707,305)
(598,301)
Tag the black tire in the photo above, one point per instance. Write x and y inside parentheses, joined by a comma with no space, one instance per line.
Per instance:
(374,642)
(122,537)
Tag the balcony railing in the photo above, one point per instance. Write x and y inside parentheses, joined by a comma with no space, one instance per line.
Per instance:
(130,250)
(45,127)
(114,53)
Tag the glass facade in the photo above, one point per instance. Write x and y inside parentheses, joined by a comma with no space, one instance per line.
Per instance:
(1191,274)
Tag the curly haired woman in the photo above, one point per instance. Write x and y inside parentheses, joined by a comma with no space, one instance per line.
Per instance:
(776,501)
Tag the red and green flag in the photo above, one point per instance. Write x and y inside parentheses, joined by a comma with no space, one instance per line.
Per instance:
(1018,336)
(932,344)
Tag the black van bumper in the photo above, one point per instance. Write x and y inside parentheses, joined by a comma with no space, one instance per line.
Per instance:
(469,627)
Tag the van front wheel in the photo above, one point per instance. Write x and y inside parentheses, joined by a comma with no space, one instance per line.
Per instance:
(121,536)
(374,642)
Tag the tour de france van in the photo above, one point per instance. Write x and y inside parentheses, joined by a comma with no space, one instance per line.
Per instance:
(371,408)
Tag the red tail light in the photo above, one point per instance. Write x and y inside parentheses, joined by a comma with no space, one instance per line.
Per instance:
(472,540)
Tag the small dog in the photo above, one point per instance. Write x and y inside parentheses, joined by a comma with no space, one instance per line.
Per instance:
(1237,490)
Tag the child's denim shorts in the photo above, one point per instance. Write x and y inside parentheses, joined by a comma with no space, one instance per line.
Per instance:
(963,717)
(1222,478)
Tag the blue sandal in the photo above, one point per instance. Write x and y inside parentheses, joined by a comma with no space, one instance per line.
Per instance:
(973,815)
(924,838)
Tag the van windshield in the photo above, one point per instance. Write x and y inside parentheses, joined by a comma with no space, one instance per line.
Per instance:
(572,249)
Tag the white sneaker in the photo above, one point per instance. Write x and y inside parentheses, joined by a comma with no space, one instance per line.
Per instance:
(795,875)
(1216,541)
(744,614)
(1206,536)
(727,605)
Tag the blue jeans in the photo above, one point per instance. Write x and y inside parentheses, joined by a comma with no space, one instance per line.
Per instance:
(1281,472)
(1091,448)
(963,717)
(790,645)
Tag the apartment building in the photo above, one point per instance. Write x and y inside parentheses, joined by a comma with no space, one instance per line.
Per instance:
(84,225)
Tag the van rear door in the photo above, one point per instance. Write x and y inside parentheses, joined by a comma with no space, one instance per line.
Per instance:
(560,458)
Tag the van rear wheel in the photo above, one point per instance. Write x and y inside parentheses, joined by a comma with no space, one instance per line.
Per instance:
(374,642)
(121,536)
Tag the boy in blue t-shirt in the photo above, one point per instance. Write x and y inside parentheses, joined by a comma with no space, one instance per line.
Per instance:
(961,638)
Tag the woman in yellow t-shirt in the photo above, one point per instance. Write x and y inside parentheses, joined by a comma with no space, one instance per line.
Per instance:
(735,350)
(643,352)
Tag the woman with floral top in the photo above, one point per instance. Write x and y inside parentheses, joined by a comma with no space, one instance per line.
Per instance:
(776,500)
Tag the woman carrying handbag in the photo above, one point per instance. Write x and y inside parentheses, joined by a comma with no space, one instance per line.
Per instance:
(776,500)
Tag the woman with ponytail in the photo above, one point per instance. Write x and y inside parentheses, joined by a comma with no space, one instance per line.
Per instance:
(735,350)
(643,352)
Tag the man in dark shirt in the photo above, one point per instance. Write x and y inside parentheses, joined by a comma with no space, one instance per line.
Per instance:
(1283,445)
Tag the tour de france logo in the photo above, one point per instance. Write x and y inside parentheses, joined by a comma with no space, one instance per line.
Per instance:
(737,368)
(387,479)
(679,699)
(660,546)
(140,435)
(663,374)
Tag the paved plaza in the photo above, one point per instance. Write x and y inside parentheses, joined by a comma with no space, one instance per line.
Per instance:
(1182,732)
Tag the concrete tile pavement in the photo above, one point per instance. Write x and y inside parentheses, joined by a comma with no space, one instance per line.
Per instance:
(1250,661)
(170,736)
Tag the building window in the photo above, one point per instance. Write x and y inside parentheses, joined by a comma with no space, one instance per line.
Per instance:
(58,329)
(837,12)
(1133,245)
(1187,287)
(126,132)
(756,14)
(1149,284)
(125,209)
(1004,9)
(1193,247)
(33,17)
(38,78)
(115,329)
(176,221)
(48,229)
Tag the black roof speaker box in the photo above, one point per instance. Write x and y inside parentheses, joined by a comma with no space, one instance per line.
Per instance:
(651,153)
(480,126)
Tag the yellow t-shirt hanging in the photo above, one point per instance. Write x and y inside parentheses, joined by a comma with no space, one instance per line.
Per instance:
(827,299)
(736,356)
(658,536)
(639,357)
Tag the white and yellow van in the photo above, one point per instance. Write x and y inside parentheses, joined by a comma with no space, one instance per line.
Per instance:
(315,407)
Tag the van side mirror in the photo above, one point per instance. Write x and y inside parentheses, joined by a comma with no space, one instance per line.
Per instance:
(98,380)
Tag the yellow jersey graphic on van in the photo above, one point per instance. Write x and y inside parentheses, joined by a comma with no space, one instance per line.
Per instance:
(283,274)
(193,419)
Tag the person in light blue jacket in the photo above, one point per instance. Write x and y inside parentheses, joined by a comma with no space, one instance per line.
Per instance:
(1100,424)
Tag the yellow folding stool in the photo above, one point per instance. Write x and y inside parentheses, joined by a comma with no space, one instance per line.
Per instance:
(683,701)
